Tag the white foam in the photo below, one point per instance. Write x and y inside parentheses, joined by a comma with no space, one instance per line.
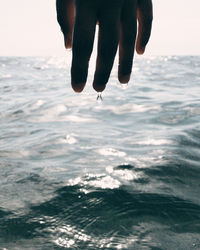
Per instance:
(70,139)
(75,118)
(105,182)
(130,108)
(110,152)
(124,174)
(6,76)
(152,141)
(38,104)
(97,181)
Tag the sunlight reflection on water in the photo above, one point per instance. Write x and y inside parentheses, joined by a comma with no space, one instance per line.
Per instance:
(120,174)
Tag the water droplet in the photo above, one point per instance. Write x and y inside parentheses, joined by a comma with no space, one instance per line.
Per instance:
(69,50)
(124,85)
(99,97)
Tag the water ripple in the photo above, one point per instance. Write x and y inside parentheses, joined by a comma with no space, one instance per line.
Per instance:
(123,174)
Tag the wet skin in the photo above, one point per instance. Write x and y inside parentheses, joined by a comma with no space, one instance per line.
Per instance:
(117,21)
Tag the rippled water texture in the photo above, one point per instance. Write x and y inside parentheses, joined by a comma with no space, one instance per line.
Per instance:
(123,173)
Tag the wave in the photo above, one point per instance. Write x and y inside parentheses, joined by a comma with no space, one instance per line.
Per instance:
(102,218)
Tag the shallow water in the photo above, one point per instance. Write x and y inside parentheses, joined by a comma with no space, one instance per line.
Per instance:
(122,173)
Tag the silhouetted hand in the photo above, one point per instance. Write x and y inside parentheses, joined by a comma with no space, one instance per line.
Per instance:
(117,26)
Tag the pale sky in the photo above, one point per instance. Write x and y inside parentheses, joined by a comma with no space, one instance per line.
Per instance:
(29,27)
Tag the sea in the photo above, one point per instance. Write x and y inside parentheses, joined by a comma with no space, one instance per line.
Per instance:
(118,173)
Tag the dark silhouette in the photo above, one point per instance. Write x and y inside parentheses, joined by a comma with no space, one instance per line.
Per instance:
(117,21)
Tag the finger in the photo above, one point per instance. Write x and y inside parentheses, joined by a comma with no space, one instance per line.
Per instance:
(83,40)
(65,16)
(128,30)
(109,22)
(145,17)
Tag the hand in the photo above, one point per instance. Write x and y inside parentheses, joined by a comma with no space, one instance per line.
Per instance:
(117,26)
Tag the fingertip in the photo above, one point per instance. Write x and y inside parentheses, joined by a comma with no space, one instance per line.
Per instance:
(78,87)
(124,78)
(99,88)
(68,43)
(140,50)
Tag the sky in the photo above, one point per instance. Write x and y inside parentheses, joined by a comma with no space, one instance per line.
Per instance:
(29,28)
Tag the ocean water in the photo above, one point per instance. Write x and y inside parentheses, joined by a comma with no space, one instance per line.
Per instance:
(122,173)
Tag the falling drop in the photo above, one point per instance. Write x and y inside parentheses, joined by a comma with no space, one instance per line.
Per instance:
(124,85)
(99,97)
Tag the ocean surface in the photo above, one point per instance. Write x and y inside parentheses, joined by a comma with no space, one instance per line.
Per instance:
(122,173)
